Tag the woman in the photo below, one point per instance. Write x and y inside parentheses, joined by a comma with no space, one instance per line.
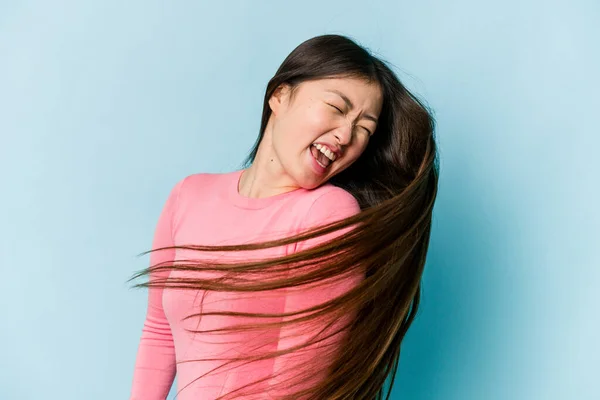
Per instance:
(298,276)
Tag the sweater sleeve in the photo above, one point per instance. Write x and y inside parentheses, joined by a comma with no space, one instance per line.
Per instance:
(331,206)
(154,369)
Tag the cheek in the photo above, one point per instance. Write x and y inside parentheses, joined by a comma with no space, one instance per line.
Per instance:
(316,119)
(304,128)
(303,124)
(357,151)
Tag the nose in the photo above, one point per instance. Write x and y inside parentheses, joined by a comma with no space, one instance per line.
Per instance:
(344,134)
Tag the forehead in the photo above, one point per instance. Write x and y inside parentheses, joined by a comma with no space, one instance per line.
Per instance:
(359,91)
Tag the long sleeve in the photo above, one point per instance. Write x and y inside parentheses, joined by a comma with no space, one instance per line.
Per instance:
(154,370)
(331,206)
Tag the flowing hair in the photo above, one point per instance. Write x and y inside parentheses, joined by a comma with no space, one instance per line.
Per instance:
(395,183)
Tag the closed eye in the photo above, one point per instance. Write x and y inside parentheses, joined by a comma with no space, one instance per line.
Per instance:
(334,107)
(341,112)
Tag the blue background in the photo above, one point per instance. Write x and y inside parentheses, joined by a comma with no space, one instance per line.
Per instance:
(104,105)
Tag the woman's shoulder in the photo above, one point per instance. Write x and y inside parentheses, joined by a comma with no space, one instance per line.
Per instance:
(325,201)
(330,202)
(329,194)
(204,181)
(204,178)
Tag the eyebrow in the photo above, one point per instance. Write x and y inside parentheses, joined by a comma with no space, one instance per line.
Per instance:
(349,103)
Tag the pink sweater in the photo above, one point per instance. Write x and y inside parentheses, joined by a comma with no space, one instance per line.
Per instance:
(208,209)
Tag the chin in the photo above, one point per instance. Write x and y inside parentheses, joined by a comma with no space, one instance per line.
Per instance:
(309,184)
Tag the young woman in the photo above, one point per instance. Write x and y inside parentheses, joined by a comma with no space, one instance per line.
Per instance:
(298,276)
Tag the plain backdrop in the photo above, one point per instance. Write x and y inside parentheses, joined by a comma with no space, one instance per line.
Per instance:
(105,105)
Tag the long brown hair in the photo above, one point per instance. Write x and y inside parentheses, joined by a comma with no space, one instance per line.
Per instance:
(395,183)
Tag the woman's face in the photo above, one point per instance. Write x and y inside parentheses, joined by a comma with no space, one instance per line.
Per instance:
(324,128)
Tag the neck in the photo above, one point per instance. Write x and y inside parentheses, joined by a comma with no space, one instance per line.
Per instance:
(266,176)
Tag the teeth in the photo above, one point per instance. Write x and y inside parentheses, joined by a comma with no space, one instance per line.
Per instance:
(326,151)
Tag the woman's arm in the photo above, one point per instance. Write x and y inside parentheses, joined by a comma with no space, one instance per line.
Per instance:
(155,363)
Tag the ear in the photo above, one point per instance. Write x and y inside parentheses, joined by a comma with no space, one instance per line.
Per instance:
(278,98)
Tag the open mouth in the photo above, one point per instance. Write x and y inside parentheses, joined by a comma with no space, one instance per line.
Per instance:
(322,155)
